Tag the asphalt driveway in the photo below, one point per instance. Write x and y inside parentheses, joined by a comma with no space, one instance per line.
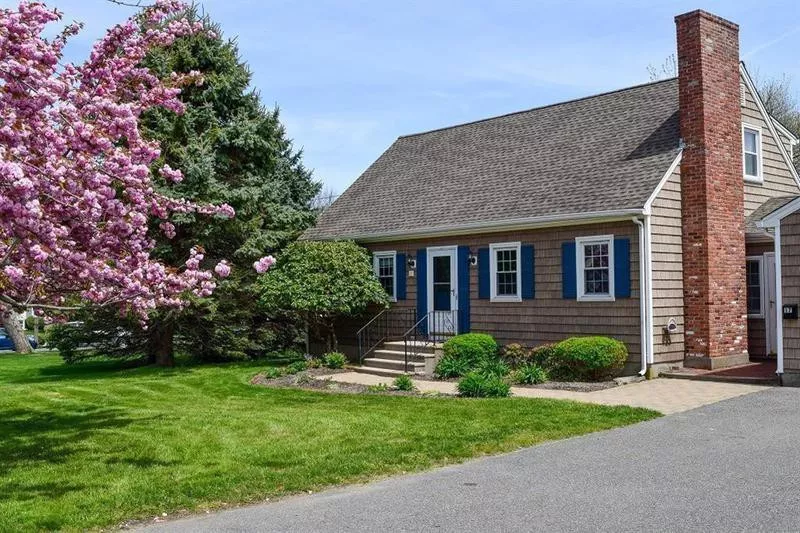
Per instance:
(730,466)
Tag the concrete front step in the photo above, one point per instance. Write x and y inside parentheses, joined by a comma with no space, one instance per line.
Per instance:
(383,371)
(392,364)
(400,355)
(419,346)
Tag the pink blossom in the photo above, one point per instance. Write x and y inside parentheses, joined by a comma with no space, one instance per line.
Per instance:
(223,269)
(264,264)
(76,187)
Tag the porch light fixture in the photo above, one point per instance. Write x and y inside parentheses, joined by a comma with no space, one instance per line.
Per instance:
(473,259)
(412,264)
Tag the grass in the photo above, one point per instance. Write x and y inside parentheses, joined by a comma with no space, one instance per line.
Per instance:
(95,444)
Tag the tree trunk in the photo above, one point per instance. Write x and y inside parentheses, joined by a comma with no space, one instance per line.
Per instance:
(17,334)
(160,349)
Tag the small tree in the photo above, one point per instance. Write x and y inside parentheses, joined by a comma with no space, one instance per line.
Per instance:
(322,281)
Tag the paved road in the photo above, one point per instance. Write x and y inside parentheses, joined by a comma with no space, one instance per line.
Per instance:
(730,466)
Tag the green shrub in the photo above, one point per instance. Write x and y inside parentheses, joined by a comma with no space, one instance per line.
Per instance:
(404,383)
(314,362)
(589,358)
(494,367)
(297,366)
(476,385)
(530,374)
(32,321)
(515,355)
(273,372)
(380,387)
(473,348)
(334,360)
(451,367)
(542,355)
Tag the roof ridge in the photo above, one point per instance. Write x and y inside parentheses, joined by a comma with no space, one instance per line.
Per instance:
(478,121)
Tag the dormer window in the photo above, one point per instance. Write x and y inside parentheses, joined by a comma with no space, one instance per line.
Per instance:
(751,148)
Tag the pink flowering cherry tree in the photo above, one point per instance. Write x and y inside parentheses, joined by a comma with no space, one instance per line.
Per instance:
(76,189)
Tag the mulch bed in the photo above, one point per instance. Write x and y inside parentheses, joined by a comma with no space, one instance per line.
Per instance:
(574,386)
(308,380)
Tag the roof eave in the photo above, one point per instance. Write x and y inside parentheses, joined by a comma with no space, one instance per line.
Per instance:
(571,219)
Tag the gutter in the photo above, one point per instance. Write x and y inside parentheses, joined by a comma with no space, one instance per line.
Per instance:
(648,240)
(643,326)
(493,226)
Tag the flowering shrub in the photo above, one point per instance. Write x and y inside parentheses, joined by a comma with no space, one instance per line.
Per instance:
(76,187)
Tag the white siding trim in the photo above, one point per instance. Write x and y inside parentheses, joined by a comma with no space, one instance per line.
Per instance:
(664,179)
(770,124)
(393,254)
(759,179)
(493,249)
(580,242)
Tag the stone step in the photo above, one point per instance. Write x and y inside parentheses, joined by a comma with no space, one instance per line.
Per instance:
(393,364)
(400,355)
(382,371)
(420,346)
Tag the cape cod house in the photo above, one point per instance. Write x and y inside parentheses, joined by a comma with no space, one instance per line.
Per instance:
(660,214)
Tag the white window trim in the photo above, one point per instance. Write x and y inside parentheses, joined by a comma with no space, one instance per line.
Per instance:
(393,254)
(759,154)
(580,242)
(761,285)
(493,249)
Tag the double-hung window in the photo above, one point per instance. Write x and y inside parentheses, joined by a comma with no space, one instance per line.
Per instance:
(505,272)
(751,153)
(385,270)
(755,300)
(595,267)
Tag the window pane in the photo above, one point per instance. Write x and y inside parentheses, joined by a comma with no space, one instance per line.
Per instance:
(596,269)
(750,141)
(751,164)
(385,273)
(506,272)
(754,287)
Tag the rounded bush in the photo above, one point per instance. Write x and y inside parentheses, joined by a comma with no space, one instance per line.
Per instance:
(476,385)
(589,358)
(516,355)
(334,360)
(542,355)
(473,348)
(530,375)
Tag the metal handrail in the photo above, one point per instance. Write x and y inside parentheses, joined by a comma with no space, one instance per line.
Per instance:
(380,328)
(428,334)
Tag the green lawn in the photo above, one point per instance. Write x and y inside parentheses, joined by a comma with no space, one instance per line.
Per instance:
(96,444)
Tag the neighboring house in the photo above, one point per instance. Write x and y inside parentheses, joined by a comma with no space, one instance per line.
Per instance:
(647,214)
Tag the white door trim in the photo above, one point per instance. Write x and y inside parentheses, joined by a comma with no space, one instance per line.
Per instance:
(452,252)
(769,293)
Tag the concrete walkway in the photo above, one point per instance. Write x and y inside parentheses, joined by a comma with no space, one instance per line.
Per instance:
(730,466)
(666,396)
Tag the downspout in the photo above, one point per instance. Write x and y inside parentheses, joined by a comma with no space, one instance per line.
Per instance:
(648,242)
(642,291)
(779,297)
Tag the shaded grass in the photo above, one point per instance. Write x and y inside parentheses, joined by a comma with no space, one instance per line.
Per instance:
(97,443)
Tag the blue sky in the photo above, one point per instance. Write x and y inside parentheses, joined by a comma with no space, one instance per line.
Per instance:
(351,76)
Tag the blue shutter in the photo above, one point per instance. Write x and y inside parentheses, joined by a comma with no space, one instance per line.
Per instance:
(400,276)
(622,268)
(569,284)
(528,272)
(483,274)
(463,289)
(422,285)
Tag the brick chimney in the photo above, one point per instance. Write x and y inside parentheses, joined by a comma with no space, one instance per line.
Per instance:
(712,191)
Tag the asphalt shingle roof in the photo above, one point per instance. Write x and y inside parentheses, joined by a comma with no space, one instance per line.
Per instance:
(601,153)
(764,210)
